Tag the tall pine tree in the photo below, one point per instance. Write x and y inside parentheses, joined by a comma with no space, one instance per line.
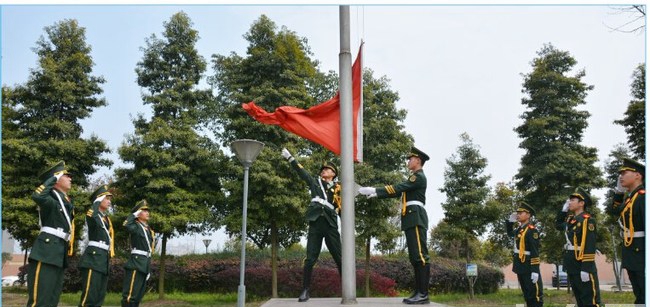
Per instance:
(554,161)
(465,186)
(41,125)
(174,167)
(634,120)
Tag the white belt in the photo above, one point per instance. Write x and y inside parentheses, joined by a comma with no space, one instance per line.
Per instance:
(98,244)
(571,247)
(637,234)
(139,252)
(322,202)
(415,203)
(516,251)
(56,232)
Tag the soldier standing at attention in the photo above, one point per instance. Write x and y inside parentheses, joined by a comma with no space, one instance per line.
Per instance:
(137,268)
(525,260)
(415,221)
(94,263)
(47,259)
(322,214)
(631,214)
(580,250)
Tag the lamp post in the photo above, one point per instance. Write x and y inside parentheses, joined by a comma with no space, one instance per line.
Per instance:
(206,242)
(246,151)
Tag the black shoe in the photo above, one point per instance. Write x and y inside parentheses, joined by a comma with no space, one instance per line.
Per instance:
(304,296)
(418,299)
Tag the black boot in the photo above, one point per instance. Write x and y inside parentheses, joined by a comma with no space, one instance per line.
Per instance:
(422,297)
(306,280)
(416,273)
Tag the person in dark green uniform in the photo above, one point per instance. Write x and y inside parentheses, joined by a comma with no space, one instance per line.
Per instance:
(322,214)
(415,221)
(631,213)
(580,250)
(48,258)
(138,267)
(525,259)
(94,263)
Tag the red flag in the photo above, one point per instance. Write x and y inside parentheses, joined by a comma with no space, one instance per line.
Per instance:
(320,123)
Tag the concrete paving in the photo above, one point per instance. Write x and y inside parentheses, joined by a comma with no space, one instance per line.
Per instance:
(336,302)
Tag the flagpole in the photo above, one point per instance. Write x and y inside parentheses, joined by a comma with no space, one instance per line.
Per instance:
(348,272)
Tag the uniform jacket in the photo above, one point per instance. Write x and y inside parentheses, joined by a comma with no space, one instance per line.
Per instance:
(633,206)
(581,232)
(414,188)
(319,188)
(99,229)
(49,248)
(142,238)
(528,236)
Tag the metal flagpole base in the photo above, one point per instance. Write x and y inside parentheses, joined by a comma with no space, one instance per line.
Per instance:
(241,296)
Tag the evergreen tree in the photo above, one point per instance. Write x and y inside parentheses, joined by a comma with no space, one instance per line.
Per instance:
(554,161)
(41,125)
(634,120)
(174,167)
(385,147)
(276,71)
(465,186)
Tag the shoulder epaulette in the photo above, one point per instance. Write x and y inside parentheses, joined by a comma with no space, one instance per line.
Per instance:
(586,215)
(642,191)
(531,226)
(89,212)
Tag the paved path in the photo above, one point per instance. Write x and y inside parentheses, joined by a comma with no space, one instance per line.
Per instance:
(336,302)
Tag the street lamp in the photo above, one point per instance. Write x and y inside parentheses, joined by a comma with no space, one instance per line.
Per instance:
(206,242)
(246,151)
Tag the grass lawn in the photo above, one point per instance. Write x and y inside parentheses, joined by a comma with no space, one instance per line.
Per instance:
(18,297)
(513,296)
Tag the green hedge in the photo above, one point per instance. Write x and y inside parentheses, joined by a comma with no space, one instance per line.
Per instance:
(213,273)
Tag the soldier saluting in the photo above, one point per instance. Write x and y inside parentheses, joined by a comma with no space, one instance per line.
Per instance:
(47,259)
(94,263)
(138,267)
(631,213)
(580,250)
(322,214)
(415,221)
(525,259)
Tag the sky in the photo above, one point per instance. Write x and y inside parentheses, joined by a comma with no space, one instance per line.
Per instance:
(456,68)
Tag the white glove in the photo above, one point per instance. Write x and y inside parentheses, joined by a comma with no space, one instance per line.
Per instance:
(565,208)
(58,175)
(619,188)
(534,277)
(513,217)
(137,213)
(148,275)
(367,191)
(371,195)
(584,276)
(286,154)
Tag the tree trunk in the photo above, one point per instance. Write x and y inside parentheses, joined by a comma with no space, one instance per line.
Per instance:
(274,260)
(617,272)
(25,259)
(161,277)
(469,279)
(367,272)
(557,275)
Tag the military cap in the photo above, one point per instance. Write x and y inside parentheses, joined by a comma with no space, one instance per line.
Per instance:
(58,167)
(418,153)
(525,207)
(631,165)
(331,166)
(141,205)
(101,191)
(581,194)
